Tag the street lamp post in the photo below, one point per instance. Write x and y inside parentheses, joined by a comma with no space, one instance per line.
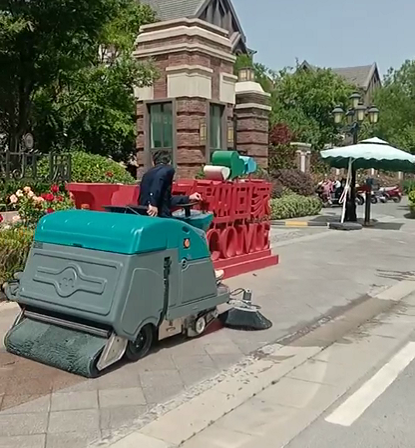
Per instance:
(355,117)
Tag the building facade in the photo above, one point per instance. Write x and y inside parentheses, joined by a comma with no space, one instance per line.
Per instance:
(197,104)
(365,78)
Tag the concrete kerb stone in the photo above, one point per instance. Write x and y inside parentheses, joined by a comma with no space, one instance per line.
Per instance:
(290,223)
(236,387)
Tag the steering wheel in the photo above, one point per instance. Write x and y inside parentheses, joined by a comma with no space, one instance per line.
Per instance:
(188,208)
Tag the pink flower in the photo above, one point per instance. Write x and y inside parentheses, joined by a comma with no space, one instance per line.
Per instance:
(13,199)
(30,194)
(1,219)
(49,197)
(54,188)
(50,210)
(19,193)
(27,190)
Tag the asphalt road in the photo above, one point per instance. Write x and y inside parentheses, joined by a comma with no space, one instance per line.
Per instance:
(387,422)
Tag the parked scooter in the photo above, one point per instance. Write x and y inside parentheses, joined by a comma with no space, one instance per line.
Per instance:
(376,195)
(330,194)
(392,193)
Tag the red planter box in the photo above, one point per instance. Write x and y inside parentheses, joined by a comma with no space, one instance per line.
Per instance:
(239,235)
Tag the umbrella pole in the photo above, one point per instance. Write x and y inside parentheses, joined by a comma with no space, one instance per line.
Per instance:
(351,215)
(368,196)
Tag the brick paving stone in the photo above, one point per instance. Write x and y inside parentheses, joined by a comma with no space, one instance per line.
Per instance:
(121,397)
(161,360)
(116,417)
(223,362)
(74,421)
(68,401)
(22,404)
(194,375)
(162,393)
(71,440)
(185,361)
(124,377)
(34,441)
(23,424)
(160,378)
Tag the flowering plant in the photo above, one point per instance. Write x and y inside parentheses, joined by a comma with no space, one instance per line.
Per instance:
(31,207)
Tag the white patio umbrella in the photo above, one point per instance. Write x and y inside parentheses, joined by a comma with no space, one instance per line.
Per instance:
(371,153)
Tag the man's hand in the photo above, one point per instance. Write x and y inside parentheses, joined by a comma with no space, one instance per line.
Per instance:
(195,197)
(152,211)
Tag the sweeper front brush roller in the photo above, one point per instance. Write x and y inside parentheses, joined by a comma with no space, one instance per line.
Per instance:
(59,347)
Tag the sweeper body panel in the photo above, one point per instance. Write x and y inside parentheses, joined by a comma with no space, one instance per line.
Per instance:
(99,285)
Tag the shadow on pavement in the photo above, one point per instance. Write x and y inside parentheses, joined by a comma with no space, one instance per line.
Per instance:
(374,223)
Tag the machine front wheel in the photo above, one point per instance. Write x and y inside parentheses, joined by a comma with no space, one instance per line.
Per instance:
(138,349)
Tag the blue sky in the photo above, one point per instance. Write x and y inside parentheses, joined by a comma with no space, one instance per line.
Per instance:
(336,33)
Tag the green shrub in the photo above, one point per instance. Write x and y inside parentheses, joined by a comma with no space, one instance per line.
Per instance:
(93,168)
(408,185)
(295,180)
(85,168)
(294,206)
(14,248)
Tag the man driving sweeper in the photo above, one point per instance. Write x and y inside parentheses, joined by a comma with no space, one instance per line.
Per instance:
(156,186)
(156,191)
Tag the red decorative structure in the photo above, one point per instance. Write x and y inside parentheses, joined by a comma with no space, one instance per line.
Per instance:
(239,236)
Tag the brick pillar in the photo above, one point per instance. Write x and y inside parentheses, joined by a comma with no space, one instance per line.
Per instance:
(195,64)
(252,121)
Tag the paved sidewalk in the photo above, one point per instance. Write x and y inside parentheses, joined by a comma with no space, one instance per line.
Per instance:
(319,273)
(294,400)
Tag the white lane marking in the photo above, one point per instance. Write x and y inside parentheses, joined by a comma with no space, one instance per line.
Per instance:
(348,412)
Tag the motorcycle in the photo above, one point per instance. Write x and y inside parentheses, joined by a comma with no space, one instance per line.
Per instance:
(334,197)
(392,193)
(375,195)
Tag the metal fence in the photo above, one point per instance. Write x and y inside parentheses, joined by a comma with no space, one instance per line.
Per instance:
(26,163)
(52,167)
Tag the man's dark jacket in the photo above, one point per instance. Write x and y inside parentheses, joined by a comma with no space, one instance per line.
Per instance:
(155,189)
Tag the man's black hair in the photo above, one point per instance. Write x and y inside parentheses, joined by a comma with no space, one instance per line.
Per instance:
(161,157)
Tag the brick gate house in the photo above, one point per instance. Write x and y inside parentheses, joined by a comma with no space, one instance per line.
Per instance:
(197,105)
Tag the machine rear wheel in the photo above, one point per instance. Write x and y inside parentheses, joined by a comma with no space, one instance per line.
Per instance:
(396,199)
(138,349)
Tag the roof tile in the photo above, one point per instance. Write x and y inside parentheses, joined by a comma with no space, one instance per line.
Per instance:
(174,9)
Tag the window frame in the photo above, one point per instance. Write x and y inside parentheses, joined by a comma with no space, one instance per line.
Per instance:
(148,149)
(224,128)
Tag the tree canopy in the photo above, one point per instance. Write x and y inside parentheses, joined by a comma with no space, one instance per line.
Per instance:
(304,100)
(396,103)
(68,73)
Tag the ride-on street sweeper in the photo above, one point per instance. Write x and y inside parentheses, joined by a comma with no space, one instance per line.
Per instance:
(98,286)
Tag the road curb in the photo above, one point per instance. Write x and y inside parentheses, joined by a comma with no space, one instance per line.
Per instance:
(260,371)
(289,223)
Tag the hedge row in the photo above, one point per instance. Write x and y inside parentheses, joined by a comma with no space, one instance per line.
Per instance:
(294,206)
